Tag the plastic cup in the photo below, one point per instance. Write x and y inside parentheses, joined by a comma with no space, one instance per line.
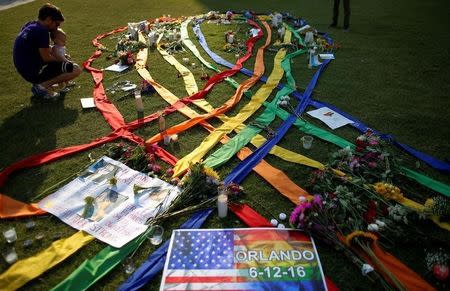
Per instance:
(10,235)
(156,235)
(307,141)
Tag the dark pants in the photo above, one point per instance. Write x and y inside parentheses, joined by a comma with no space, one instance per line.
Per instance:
(346,13)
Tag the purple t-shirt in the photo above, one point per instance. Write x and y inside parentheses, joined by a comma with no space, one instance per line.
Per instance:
(26,55)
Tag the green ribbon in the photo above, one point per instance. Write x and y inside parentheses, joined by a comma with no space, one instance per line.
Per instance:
(92,270)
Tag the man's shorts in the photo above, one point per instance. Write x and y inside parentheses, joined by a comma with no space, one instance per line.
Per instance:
(54,69)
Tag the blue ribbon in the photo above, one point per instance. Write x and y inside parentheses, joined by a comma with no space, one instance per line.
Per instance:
(245,167)
(431,161)
(155,262)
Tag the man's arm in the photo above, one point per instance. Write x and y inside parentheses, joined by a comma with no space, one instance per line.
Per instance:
(46,55)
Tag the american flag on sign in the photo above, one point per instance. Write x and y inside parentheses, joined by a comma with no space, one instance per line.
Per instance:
(242,259)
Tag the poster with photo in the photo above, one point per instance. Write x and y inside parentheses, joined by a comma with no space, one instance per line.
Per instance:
(111,212)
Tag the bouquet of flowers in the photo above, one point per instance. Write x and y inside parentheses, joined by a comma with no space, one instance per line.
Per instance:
(126,48)
(359,207)
(199,190)
(199,186)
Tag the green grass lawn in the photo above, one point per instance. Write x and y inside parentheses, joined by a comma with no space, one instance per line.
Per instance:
(392,73)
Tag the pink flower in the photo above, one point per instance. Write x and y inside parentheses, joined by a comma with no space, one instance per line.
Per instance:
(317,200)
(294,215)
(354,163)
(169,172)
(156,168)
(373,141)
(372,165)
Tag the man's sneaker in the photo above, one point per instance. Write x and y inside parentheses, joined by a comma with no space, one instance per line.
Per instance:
(40,91)
(52,96)
(332,25)
(65,90)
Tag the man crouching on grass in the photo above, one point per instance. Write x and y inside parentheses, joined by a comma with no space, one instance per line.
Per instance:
(33,56)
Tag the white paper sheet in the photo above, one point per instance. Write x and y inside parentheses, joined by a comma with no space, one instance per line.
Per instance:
(116,215)
(116,68)
(87,103)
(326,56)
(329,117)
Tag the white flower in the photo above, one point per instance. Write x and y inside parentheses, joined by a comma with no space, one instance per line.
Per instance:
(282,216)
(302,199)
(274,222)
(362,137)
(366,269)
(286,98)
(281,225)
(373,227)
(380,223)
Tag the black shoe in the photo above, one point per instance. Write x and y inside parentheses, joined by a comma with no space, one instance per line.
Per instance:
(347,29)
(332,25)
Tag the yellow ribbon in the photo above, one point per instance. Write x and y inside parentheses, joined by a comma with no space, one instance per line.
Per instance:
(232,123)
(275,177)
(27,269)
(188,77)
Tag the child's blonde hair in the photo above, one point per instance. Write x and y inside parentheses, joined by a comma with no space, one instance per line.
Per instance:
(57,33)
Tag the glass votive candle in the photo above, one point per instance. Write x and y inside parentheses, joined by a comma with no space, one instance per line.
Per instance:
(30,224)
(10,235)
(307,141)
(156,235)
(128,266)
(10,255)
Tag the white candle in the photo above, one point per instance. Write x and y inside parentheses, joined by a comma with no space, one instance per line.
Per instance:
(222,205)
(138,97)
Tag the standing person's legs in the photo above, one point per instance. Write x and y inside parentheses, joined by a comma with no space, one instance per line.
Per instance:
(335,13)
(346,14)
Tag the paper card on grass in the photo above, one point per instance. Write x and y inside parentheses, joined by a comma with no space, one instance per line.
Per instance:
(242,259)
(129,87)
(117,68)
(112,213)
(326,56)
(87,103)
(329,117)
